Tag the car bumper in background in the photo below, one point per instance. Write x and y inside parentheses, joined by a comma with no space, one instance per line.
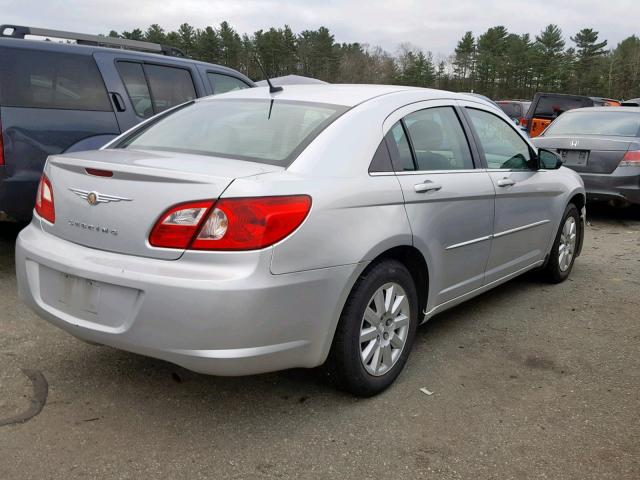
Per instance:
(221,314)
(623,184)
(17,195)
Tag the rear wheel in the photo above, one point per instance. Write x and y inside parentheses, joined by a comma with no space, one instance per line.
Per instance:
(376,330)
(564,247)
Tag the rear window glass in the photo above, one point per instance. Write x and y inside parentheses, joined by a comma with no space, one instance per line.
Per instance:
(169,86)
(614,123)
(512,109)
(265,131)
(552,107)
(137,88)
(224,83)
(51,80)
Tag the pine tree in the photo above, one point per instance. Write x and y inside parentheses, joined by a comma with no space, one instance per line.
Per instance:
(589,64)
(549,55)
(187,38)
(155,34)
(464,61)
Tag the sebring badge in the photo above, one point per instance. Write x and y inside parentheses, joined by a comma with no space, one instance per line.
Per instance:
(94,198)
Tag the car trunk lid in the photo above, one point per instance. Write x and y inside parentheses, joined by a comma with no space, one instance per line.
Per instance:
(588,154)
(116,212)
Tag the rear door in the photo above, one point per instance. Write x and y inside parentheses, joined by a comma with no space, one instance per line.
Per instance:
(524,198)
(141,87)
(448,200)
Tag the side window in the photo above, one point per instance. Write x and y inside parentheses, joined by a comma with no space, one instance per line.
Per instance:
(381,161)
(169,86)
(399,148)
(503,147)
(438,140)
(51,80)
(134,81)
(224,83)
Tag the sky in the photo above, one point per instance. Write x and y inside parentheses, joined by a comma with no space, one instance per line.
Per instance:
(433,25)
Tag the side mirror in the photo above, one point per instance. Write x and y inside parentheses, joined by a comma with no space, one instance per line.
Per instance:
(548,159)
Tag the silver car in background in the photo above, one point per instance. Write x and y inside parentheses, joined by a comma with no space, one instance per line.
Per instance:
(602,144)
(253,232)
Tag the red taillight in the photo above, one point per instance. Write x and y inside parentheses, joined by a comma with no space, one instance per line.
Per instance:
(44,200)
(231,224)
(178,225)
(631,159)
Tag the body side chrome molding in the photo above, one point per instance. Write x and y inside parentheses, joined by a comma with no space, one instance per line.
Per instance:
(496,235)
(519,229)
(469,242)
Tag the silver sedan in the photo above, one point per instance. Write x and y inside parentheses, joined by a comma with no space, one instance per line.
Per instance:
(319,225)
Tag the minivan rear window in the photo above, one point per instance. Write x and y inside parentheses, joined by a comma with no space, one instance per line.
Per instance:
(259,130)
(37,79)
(554,106)
(617,123)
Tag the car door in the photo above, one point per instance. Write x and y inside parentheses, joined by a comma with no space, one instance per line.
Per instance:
(449,202)
(525,195)
(141,87)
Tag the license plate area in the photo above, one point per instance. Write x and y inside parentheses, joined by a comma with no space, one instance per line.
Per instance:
(99,303)
(574,157)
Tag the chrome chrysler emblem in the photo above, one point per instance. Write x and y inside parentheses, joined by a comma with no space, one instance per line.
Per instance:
(94,198)
(574,143)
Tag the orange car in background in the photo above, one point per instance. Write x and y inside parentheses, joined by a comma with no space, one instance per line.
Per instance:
(546,107)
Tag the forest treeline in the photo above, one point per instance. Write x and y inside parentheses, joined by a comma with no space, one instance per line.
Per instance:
(496,63)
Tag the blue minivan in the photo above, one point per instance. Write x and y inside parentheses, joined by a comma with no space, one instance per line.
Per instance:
(63,97)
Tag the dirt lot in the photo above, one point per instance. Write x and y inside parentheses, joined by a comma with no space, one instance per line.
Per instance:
(529,381)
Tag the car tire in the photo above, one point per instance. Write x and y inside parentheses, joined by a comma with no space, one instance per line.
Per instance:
(560,264)
(367,325)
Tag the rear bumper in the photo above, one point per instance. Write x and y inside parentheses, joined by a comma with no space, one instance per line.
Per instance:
(229,316)
(622,184)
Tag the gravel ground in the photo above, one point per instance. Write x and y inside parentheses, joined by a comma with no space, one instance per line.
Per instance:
(529,381)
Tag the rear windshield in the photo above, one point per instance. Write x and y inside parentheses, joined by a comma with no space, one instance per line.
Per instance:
(43,79)
(512,109)
(551,107)
(264,131)
(615,123)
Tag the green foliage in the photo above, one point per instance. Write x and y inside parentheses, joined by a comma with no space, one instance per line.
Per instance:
(496,63)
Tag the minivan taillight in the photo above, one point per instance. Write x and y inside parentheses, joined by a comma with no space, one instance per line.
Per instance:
(630,159)
(231,223)
(44,200)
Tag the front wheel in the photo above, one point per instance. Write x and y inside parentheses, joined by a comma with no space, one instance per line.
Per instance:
(564,247)
(376,330)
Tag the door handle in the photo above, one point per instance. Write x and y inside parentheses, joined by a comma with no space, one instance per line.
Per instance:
(427,186)
(118,102)
(506,182)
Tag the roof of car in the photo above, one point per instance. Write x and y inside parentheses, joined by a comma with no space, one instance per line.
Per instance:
(338,94)
(604,109)
(33,44)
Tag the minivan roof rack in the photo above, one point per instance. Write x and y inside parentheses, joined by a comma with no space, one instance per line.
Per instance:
(18,31)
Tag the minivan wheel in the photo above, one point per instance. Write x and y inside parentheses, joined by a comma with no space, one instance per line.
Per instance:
(563,252)
(376,330)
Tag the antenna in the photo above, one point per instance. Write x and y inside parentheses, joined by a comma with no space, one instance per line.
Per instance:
(272,88)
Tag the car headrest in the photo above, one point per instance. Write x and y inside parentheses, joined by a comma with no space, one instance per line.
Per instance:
(426,135)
